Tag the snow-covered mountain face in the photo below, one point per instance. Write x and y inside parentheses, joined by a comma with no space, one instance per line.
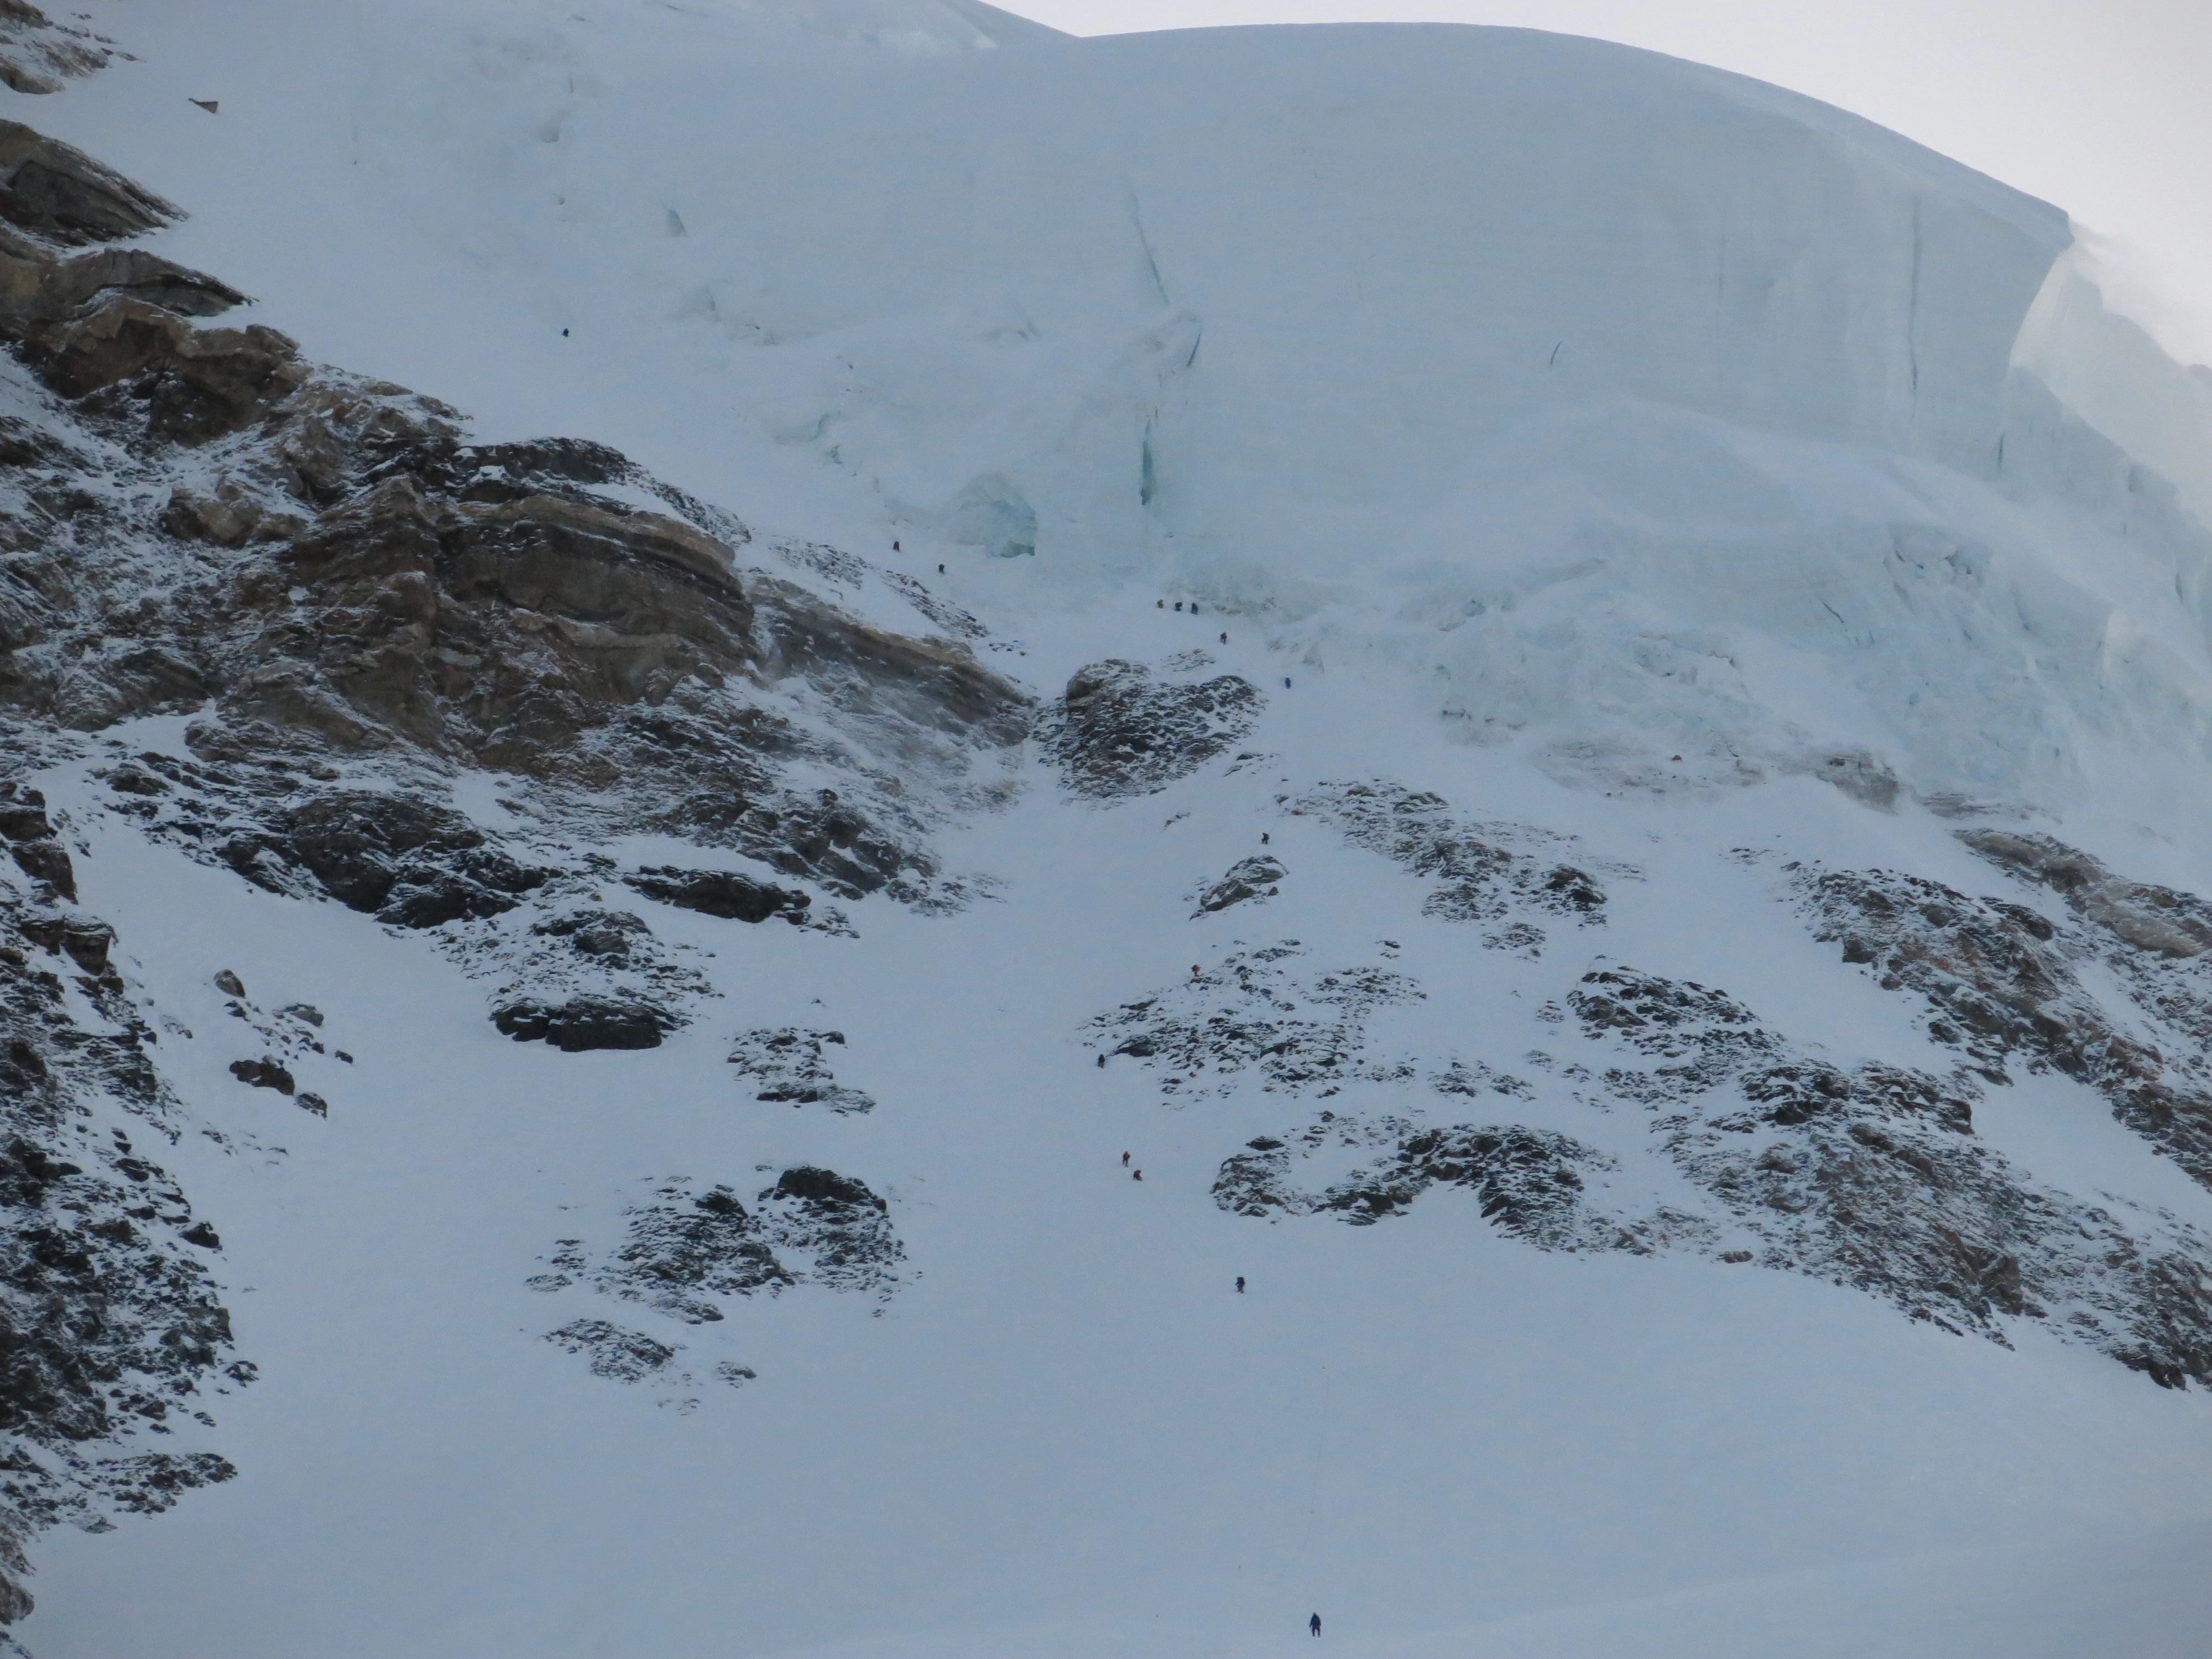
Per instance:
(1139,834)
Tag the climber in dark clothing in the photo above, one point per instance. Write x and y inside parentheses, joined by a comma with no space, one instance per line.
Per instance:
(1314,1624)
(1263,838)
(1240,1283)
(1102,1062)
(1125,1160)
(1136,1175)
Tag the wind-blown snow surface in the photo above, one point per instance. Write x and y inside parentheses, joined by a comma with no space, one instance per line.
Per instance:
(1599,440)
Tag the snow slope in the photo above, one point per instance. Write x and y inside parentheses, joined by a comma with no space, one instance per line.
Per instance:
(1611,445)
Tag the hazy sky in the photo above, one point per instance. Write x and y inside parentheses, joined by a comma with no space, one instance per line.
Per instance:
(2103,106)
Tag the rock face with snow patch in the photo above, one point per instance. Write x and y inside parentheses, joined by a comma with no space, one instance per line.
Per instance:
(789,1065)
(344,575)
(1118,730)
(113,1330)
(1299,1035)
(1871,1177)
(353,600)
(687,1249)
(1997,980)
(1480,879)
(1248,878)
(1530,1182)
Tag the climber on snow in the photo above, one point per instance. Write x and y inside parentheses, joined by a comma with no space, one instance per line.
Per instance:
(1125,1160)
(1314,1624)
(1240,1283)
(1102,1062)
(1136,1175)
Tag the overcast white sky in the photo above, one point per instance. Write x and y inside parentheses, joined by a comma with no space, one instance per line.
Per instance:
(2103,106)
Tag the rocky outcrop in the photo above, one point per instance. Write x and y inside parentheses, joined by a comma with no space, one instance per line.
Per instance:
(1873,1177)
(32,843)
(1118,730)
(1480,874)
(407,860)
(584,1022)
(59,193)
(1250,1014)
(1530,1182)
(328,560)
(355,605)
(37,54)
(112,1330)
(785,1064)
(1997,980)
(2162,920)
(618,1354)
(1869,1176)
(1256,877)
(721,893)
(685,1250)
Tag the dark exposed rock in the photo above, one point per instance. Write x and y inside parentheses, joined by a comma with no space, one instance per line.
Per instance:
(1300,1037)
(82,940)
(604,933)
(37,55)
(1479,877)
(1118,731)
(24,813)
(1473,1078)
(687,1247)
(947,615)
(353,605)
(1529,1181)
(1998,981)
(825,1187)
(409,862)
(60,193)
(109,1324)
(586,1021)
(262,1074)
(787,1065)
(1873,1177)
(2161,919)
(623,1356)
(1246,879)
(190,386)
(1868,1176)
(356,578)
(47,861)
(720,893)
